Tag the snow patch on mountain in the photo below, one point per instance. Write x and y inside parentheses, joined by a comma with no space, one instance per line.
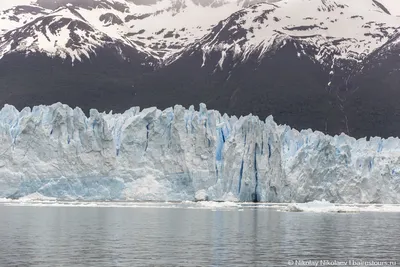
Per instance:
(17,16)
(392,6)
(4,5)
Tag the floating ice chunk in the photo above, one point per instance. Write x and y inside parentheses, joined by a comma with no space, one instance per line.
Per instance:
(324,206)
(36,197)
(201,195)
(314,206)
(229,197)
(217,205)
(379,208)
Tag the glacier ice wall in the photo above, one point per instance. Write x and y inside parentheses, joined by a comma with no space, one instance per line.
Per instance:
(182,154)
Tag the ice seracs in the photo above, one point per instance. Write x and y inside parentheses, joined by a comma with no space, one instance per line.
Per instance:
(181,154)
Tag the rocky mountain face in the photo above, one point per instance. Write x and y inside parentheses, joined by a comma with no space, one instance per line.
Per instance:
(329,65)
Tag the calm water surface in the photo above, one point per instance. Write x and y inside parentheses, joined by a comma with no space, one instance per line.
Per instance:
(92,236)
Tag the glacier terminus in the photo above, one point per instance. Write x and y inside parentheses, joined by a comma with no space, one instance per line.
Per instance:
(180,154)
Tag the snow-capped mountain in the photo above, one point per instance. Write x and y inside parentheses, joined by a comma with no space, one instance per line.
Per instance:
(307,62)
(348,30)
(63,33)
(335,30)
(160,30)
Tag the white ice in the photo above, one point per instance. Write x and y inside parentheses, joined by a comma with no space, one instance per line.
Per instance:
(325,206)
(181,154)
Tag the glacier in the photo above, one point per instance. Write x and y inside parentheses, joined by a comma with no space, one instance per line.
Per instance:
(180,154)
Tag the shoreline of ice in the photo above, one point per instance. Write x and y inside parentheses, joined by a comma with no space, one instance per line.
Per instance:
(310,207)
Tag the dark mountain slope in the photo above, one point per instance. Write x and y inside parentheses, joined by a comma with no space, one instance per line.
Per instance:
(102,82)
(294,89)
(372,101)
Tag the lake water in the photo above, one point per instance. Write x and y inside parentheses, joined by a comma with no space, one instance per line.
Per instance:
(181,235)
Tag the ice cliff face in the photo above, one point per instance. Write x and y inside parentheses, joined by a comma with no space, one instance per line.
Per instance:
(183,154)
